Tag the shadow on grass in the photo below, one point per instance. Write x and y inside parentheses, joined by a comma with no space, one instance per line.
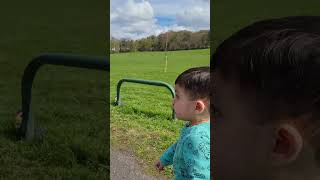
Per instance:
(11,134)
(9,131)
(84,157)
(141,112)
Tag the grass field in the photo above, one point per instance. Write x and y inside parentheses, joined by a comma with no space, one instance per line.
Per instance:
(69,102)
(143,124)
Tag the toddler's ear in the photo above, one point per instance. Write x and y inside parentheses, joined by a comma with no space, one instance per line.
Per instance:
(200,106)
(287,145)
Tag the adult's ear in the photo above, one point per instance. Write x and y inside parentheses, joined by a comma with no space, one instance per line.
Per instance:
(287,145)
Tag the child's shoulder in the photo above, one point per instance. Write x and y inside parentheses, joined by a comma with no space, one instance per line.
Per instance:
(199,128)
(198,140)
(199,132)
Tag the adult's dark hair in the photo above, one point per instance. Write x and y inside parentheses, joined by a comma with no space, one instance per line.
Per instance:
(196,81)
(277,59)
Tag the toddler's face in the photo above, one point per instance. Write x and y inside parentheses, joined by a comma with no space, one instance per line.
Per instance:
(183,106)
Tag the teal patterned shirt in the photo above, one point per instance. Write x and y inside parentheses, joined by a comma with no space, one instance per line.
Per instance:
(190,155)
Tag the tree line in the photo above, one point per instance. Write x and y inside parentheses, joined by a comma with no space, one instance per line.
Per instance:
(180,40)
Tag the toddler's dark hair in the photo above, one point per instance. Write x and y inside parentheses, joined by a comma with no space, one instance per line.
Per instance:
(196,81)
(278,59)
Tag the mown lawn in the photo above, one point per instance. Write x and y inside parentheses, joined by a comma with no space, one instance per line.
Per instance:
(70,103)
(143,125)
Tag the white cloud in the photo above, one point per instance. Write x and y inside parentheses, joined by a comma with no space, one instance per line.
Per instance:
(132,18)
(138,11)
(197,17)
(174,7)
(135,19)
(173,27)
(168,7)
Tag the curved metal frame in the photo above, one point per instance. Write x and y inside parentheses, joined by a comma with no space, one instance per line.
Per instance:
(27,128)
(148,82)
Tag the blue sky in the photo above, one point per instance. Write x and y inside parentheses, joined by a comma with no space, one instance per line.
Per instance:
(165,20)
(134,19)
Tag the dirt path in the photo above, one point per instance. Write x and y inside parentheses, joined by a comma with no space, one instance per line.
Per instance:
(125,166)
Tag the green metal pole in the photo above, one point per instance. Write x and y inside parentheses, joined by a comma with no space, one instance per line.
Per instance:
(27,128)
(147,82)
